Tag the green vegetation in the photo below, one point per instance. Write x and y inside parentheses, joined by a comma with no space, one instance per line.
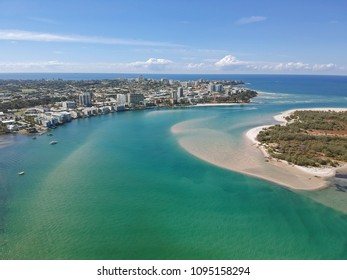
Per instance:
(310,138)
(22,103)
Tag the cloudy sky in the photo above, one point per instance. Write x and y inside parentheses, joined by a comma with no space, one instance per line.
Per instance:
(182,36)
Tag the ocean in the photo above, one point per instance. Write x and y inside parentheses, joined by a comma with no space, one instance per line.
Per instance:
(120,186)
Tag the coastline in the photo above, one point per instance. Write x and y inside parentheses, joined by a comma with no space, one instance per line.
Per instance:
(218,148)
(219,104)
(320,173)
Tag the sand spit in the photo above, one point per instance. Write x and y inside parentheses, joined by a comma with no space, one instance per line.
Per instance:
(246,156)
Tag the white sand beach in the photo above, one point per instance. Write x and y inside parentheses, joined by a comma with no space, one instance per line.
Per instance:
(310,171)
(248,157)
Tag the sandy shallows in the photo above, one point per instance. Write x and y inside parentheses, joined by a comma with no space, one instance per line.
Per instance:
(240,154)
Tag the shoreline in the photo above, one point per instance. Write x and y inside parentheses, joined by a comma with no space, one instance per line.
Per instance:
(218,148)
(322,173)
(219,104)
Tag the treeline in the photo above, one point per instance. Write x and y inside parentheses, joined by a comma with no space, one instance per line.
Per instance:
(243,97)
(319,120)
(310,138)
(27,103)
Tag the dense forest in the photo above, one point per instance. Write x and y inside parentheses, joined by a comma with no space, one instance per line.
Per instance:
(309,138)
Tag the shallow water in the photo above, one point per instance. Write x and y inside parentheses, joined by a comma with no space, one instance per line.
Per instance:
(121,187)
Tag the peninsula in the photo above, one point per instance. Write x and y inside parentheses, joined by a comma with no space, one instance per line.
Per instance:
(310,140)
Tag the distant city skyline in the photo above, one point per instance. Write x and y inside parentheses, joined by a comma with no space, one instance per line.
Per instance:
(155,36)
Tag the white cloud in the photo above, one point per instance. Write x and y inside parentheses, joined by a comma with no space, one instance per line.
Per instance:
(324,67)
(231,63)
(303,67)
(227,64)
(152,64)
(21,35)
(228,60)
(158,61)
(153,61)
(249,20)
(292,66)
(196,66)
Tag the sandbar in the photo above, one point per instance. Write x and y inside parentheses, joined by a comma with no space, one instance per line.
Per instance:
(247,156)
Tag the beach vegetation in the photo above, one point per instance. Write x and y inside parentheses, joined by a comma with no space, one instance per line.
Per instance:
(309,138)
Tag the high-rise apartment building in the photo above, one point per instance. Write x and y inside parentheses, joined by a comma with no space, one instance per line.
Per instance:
(85,99)
(135,98)
(180,92)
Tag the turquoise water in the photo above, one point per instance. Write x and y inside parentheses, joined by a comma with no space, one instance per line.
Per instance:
(119,186)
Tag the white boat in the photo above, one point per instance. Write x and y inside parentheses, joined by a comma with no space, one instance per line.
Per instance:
(53,142)
(21,173)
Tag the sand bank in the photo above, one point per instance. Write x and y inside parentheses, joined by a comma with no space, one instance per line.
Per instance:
(227,151)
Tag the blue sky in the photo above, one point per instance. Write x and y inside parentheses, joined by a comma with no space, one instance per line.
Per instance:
(182,36)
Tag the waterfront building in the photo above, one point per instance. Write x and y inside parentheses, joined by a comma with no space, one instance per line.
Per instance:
(104,110)
(135,98)
(118,108)
(173,95)
(67,105)
(90,111)
(62,117)
(121,99)
(74,114)
(180,92)
(85,99)
(47,120)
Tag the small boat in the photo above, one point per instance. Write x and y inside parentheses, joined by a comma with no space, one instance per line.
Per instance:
(49,134)
(21,173)
(53,142)
(34,137)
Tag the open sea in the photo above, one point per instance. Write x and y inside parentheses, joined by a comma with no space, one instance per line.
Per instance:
(120,186)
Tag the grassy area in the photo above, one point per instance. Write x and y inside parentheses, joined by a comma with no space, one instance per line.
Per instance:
(310,138)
